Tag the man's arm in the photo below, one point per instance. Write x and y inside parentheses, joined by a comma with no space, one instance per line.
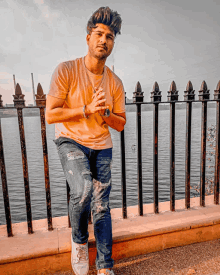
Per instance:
(116,121)
(55,113)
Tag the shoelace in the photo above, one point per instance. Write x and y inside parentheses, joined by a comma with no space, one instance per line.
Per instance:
(82,253)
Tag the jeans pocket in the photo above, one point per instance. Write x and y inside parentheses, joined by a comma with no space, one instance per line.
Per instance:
(59,141)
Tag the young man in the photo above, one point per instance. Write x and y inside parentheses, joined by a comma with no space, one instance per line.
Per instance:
(85,98)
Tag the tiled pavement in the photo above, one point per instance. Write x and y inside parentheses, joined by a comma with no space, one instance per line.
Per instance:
(201,258)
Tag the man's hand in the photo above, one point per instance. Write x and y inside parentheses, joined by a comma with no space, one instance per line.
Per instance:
(97,104)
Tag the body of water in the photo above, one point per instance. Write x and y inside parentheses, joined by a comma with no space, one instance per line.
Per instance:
(12,152)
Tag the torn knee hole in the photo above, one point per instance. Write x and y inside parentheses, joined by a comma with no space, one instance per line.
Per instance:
(75,155)
(100,206)
(86,191)
(99,184)
(86,173)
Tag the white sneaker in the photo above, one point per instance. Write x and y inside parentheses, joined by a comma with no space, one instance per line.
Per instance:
(107,272)
(80,258)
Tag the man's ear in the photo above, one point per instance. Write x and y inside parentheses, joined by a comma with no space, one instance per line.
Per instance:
(87,38)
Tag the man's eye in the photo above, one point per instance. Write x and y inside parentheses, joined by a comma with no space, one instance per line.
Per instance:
(110,37)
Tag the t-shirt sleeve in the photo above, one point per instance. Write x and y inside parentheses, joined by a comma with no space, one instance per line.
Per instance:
(119,100)
(59,85)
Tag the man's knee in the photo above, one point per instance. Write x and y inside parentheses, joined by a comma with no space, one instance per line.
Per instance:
(101,193)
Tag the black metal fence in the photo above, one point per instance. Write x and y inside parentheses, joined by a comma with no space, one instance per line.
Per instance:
(172,98)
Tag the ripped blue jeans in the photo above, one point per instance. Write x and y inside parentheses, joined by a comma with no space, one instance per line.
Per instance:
(88,173)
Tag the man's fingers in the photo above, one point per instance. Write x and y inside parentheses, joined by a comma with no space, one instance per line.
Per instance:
(100,101)
(99,108)
(98,96)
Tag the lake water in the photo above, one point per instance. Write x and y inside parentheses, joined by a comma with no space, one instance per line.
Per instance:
(12,152)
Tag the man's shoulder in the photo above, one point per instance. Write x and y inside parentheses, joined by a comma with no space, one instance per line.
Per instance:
(113,76)
(71,64)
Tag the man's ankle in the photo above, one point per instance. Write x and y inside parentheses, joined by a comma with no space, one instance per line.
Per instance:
(103,270)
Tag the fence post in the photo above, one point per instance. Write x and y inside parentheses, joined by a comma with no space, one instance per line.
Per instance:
(156,98)
(203,96)
(138,98)
(189,96)
(41,103)
(217,147)
(172,97)
(4,181)
(123,176)
(19,104)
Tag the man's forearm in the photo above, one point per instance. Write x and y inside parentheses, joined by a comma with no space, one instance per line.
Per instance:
(115,121)
(60,114)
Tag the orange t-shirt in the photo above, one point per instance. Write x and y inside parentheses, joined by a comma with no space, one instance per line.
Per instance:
(73,82)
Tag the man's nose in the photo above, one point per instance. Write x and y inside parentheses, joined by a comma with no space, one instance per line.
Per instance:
(103,39)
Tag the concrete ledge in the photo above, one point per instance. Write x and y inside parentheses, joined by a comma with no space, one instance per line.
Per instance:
(46,251)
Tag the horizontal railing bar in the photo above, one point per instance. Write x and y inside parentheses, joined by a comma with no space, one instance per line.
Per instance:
(159,102)
(167,102)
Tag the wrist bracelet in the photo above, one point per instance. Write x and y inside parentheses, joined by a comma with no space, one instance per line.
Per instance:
(84,114)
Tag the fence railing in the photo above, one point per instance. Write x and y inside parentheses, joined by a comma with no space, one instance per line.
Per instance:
(172,99)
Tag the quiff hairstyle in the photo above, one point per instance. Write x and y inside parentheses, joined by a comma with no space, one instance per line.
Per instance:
(106,16)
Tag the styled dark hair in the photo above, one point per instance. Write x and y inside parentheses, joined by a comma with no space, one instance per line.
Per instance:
(106,16)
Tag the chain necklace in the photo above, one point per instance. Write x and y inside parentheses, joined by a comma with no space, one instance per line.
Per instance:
(107,111)
(94,90)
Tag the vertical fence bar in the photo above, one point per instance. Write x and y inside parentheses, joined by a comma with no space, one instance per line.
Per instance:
(155,158)
(5,187)
(172,97)
(4,183)
(137,98)
(188,153)
(41,103)
(172,156)
(155,97)
(19,104)
(203,96)
(139,158)
(217,147)
(189,96)
(123,176)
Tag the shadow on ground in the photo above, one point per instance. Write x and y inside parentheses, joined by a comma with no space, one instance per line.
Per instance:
(200,258)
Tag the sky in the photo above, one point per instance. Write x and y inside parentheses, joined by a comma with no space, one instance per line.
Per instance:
(160,41)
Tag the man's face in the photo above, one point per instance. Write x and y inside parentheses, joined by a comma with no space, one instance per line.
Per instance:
(100,41)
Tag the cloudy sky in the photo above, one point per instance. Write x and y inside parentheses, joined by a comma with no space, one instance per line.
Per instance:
(160,41)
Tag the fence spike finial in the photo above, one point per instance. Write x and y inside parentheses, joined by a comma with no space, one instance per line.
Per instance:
(204,92)
(204,86)
(156,87)
(40,97)
(138,94)
(218,86)
(156,93)
(18,89)
(18,97)
(189,86)
(173,87)
(138,88)
(189,94)
(217,91)
(39,90)
(173,93)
